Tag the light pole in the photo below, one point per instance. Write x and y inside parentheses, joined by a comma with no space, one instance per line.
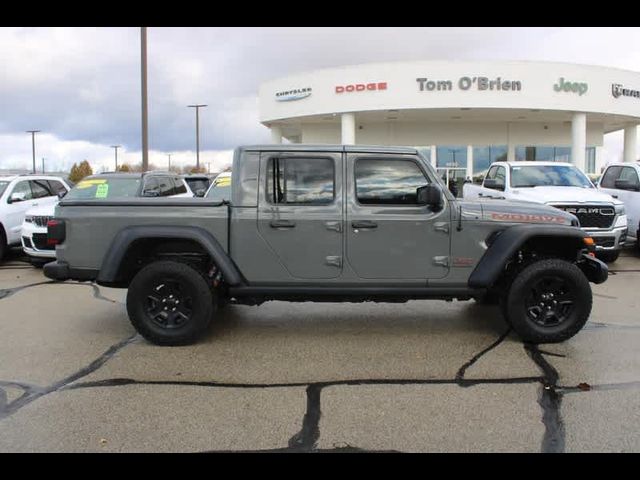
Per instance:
(43,165)
(116,147)
(197,107)
(208,167)
(33,147)
(143,75)
(169,155)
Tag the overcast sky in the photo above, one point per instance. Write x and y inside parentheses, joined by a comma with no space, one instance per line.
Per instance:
(81,86)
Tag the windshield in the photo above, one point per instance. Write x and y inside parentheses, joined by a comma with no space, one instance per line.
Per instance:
(104,188)
(3,186)
(220,190)
(548,176)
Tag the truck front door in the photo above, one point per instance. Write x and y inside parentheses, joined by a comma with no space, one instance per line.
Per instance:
(300,211)
(388,235)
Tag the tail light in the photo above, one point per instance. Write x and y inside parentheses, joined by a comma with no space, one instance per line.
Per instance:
(55,232)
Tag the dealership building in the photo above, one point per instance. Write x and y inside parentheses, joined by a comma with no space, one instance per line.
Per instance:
(462,115)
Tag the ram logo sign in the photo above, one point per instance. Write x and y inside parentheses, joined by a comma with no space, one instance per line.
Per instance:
(590,210)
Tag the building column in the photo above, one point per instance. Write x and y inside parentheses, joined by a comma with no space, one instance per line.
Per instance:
(630,143)
(433,156)
(511,147)
(276,134)
(469,162)
(579,139)
(348,129)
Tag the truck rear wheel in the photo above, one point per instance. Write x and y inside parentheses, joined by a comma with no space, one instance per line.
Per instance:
(170,303)
(548,302)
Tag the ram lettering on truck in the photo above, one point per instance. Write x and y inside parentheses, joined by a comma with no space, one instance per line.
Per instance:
(327,223)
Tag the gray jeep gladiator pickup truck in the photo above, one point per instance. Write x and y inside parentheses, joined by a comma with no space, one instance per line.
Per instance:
(327,223)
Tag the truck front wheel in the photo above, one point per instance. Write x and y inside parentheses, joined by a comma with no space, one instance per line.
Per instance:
(548,302)
(170,303)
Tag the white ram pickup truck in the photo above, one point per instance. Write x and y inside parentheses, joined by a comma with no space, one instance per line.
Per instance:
(563,186)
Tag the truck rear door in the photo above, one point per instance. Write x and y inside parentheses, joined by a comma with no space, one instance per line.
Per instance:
(300,211)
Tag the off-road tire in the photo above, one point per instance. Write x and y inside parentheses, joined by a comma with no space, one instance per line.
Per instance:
(521,293)
(608,257)
(197,295)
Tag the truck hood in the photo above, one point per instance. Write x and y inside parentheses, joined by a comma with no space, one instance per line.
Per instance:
(515,211)
(564,195)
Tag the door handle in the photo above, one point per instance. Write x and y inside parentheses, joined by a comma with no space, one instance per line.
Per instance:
(614,196)
(364,224)
(282,224)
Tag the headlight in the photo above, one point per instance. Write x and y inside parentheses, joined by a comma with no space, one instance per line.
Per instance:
(28,218)
(620,209)
(621,221)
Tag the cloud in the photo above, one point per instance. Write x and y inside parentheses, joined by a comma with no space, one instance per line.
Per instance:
(83,84)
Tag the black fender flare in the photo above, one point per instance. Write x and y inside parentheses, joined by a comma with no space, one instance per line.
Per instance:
(125,237)
(507,243)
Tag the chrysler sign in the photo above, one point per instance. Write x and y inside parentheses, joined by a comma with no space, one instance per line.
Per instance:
(294,94)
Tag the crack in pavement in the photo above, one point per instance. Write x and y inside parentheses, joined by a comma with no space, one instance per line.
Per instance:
(7,292)
(462,370)
(550,401)
(33,393)
(305,440)
(616,326)
(585,387)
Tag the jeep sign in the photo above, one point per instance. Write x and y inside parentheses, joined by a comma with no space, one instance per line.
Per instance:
(576,87)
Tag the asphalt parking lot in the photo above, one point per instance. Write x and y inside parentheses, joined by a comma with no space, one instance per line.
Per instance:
(425,376)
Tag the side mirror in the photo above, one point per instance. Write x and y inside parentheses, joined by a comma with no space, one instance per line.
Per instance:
(493,184)
(430,195)
(625,185)
(61,194)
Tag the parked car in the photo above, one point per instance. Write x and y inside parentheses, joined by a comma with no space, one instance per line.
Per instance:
(563,186)
(622,181)
(118,185)
(331,223)
(19,193)
(220,188)
(198,183)
(34,234)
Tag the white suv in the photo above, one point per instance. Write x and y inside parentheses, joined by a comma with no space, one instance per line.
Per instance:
(19,193)
(622,181)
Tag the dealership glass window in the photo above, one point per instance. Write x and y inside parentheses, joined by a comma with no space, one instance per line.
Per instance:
(543,154)
(483,157)
(388,182)
(300,181)
(451,156)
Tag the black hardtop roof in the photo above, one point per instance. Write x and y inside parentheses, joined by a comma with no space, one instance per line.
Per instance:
(301,147)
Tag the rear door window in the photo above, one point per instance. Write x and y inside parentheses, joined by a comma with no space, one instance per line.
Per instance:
(40,189)
(56,187)
(629,173)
